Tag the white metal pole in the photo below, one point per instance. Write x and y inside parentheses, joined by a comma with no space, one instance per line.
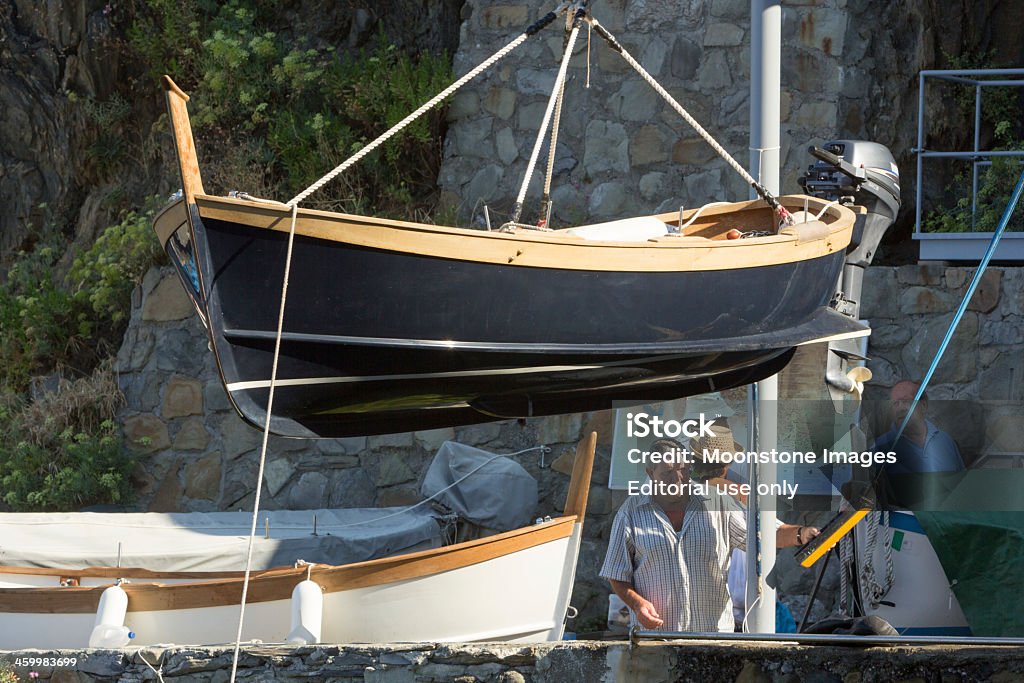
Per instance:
(765,91)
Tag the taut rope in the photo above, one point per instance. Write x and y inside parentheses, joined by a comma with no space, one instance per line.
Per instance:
(761,190)
(433,102)
(552,101)
(293,206)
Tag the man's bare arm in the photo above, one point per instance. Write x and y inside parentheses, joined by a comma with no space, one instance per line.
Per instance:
(641,606)
(789,535)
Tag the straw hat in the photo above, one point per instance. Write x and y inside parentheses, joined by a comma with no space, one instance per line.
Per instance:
(721,439)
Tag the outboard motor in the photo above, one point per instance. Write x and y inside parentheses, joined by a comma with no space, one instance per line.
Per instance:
(854,173)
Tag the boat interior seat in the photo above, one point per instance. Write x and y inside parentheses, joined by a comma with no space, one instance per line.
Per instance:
(639,229)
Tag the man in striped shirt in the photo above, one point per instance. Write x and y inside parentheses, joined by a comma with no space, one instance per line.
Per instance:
(668,554)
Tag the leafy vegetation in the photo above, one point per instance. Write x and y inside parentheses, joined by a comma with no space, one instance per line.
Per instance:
(47,321)
(273,112)
(1001,120)
(63,451)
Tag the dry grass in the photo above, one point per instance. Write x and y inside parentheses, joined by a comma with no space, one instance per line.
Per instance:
(80,404)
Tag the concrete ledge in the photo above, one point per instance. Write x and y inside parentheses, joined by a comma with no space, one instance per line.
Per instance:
(588,661)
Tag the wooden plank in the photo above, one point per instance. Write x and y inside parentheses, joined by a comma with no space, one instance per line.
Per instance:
(553,249)
(184,145)
(116,573)
(579,483)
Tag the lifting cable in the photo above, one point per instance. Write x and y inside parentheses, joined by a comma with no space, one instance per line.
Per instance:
(783,214)
(1003,222)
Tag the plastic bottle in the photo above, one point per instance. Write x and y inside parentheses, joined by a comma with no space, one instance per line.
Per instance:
(108,636)
(112,607)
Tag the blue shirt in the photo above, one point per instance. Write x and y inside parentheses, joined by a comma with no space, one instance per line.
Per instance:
(938,454)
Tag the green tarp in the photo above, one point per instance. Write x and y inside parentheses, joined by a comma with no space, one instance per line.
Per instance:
(977,531)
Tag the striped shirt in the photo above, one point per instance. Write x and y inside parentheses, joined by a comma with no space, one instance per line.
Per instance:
(683,573)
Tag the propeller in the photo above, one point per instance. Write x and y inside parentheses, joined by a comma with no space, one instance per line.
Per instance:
(858,376)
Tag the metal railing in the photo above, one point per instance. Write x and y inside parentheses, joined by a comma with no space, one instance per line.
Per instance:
(979,78)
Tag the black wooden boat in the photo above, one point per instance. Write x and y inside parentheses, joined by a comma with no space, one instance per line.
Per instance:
(393,326)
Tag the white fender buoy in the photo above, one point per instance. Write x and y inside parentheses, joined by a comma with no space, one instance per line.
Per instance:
(307,613)
(109,629)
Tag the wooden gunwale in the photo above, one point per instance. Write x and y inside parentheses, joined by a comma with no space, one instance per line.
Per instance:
(702,247)
(558,250)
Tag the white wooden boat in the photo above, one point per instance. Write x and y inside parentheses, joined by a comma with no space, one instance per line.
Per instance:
(513,586)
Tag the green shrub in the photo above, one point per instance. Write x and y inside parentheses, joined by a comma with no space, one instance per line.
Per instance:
(37,317)
(63,450)
(995,185)
(76,470)
(108,118)
(273,113)
(46,321)
(102,278)
(1001,118)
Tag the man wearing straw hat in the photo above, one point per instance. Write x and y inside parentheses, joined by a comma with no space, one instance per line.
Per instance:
(669,551)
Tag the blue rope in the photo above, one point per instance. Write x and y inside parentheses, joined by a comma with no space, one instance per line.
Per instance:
(1010,206)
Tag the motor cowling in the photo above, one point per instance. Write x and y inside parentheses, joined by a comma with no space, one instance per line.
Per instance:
(857,173)
(854,173)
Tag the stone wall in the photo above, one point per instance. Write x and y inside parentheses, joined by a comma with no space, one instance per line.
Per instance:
(696,661)
(977,390)
(849,70)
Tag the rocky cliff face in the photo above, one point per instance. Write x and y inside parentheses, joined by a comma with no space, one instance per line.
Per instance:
(69,139)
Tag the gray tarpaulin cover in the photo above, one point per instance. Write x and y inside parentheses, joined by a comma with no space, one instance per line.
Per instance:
(500,495)
(212,541)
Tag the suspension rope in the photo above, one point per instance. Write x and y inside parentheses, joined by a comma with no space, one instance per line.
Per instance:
(293,206)
(483,66)
(542,133)
(545,200)
(760,189)
(266,437)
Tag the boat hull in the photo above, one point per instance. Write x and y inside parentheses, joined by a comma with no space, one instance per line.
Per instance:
(448,594)
(385,340)
(512,586)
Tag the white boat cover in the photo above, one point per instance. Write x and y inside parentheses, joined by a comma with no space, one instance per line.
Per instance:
(213,541)
(498,494)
